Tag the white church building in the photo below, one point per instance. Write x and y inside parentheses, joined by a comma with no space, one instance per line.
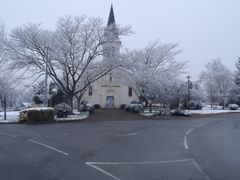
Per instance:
(109,92)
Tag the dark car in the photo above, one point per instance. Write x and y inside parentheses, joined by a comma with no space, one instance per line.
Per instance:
(135,106)
(180,112)
(86,106)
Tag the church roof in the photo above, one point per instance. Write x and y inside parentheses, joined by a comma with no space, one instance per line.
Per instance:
(111,18)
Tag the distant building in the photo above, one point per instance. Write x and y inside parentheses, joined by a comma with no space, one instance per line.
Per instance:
(108,91)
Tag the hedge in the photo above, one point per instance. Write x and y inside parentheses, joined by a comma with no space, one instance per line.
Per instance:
(36,115)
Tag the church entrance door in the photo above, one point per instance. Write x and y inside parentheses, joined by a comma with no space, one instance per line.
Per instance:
(110,102)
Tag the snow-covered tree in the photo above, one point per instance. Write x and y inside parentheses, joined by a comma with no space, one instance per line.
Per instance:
(4,83)
(7,88)
(8,81)
(237,73)
(234,93)
(71,54)
(153,71)
(217,80)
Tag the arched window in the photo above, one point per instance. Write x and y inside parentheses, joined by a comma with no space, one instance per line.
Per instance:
(90,89)
(129,91)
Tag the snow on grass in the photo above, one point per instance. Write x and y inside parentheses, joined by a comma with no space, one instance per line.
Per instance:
(12,116)
(148,114)
(205,110)
(215,110)
(10,113)
(75,117)
(38,109)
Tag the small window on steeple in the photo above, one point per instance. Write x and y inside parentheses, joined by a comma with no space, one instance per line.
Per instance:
(90,89)
(129,91)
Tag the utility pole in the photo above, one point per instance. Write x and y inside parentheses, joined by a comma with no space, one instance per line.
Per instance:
(5,107)
(189,86)
(46,77)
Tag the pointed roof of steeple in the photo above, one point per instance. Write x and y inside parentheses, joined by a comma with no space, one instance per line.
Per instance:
(111,18)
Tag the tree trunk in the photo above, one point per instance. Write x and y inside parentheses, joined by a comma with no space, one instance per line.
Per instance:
(79,98)
(78,102)
(150,107)
(70,101)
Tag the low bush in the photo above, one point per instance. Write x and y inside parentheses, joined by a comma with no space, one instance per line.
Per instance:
(36,115)
(63,110)
(122,106)
(97,106)
(193,105)
(37,100)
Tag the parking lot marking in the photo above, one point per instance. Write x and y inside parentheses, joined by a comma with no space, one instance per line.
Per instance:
(102,171)
(49,147)
(6,134)
(187,147)
(189,132)
(126,135)
(200,169)
(136,163)
(185,142)
(201,125)
(94,165)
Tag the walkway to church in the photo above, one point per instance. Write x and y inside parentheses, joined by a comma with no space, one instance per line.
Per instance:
(113,114)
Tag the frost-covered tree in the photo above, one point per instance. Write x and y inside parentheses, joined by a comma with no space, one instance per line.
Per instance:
(7,88)
(237,73)
(234,93)
(217,80)
(8,81)
(4,80)
(71,54)
(153,71)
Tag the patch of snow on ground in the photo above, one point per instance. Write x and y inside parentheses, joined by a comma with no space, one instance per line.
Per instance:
(38,109)
(76,117)
(215,110)
(12,116)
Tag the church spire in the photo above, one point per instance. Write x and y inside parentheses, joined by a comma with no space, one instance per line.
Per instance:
(111,18)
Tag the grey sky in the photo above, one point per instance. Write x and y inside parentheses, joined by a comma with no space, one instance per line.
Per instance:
(204,29)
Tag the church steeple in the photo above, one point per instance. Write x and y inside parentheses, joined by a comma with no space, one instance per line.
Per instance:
(111,32)
(111,18)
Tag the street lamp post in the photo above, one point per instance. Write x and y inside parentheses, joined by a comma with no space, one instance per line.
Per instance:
(4,104)
(53,92)
(46,77)
(5,107)
(188,96)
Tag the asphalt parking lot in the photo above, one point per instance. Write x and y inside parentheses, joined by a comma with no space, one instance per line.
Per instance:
(123,149)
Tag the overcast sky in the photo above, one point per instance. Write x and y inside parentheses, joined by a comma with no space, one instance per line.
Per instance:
(204,29)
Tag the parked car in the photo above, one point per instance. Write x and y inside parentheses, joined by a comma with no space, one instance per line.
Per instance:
(195,105)
(86,106)
(233,106)
(180,112)
(135,106)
